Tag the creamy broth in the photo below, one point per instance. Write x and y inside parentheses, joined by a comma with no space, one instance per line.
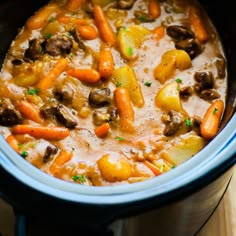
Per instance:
(109,92)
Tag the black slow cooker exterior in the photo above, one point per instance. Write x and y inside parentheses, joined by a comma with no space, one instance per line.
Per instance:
(185,208)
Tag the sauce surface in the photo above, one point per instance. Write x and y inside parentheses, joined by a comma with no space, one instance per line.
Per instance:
(108,92)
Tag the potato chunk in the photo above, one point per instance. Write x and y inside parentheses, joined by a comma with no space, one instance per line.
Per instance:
(130,39)
(168,98)
(126,77)
(170,61)
(114,168)
(185,149)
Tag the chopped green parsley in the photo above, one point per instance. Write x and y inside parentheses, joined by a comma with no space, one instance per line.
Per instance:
(178,80)
(51,19)
(48,35)
(130,51)
(24,154)
(215,110)
(118,84)
(80,178)
(188,122)
(148,83)
(120,138)
(33,91)
(142,18)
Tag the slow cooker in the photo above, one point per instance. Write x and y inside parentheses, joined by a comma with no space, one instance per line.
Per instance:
(176,203)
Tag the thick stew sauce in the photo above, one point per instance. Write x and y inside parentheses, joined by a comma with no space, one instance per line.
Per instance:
(111,92)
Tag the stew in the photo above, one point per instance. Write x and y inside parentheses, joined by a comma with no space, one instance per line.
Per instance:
(111,92)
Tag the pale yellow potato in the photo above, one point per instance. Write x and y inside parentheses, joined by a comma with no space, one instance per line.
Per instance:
(126,78)
(185,149)
(129,40)
(168,98)
(114,168)
(170,61)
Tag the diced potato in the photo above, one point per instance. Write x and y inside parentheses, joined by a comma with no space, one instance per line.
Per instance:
(130,39)
(114,168)
(25,80)
(166,69)
(115,14)
(168,98)
(52,28)
(125,77)
(183,60)
(170,61)
(185,149)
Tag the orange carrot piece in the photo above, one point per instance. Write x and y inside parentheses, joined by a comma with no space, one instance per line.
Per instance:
(211,120)
(29,111)
(125,109)
(154,8)
(39,19)
(73,5)
(48,133)
(106,63)
(62,158)
(90,76)
(88,32)
(46,82)
(73,20)
(102,130)
(198,24)
(104,28)
(159,32)
(152,167)
(13,142)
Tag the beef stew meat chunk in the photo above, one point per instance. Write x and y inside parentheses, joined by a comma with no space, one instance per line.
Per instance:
(112,91)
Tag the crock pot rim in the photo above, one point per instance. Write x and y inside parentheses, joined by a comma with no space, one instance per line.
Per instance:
(224,146)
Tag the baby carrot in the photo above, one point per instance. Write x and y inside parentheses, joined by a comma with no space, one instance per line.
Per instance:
(46,82)
(152,167)
(48,133)
(88,32)
(73,5)
(62,158)
(39,19)
(159,32)
(211,120)
(197,24)
(73,20)
(106,63)
(154,8)
(125,109)
(104,28)
(102,130)
(90,76)
(13,142)
(29,111)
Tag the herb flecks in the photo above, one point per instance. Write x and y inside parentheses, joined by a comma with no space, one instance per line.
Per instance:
(48,35)
(188,122)
(215,110)
(178,80)
(51,19)
(24,154)
(33,91)
(118,138)
(80,178)
(118,84)
(130,51)
(148,83)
